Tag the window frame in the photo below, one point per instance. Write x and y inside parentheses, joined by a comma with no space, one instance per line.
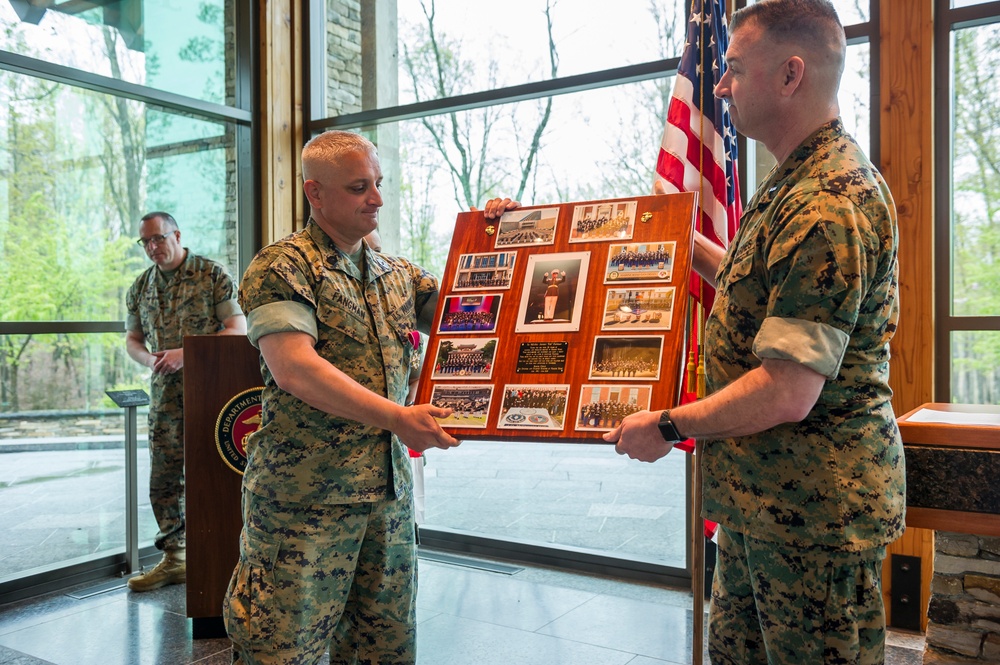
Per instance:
(242,116)
(949,20)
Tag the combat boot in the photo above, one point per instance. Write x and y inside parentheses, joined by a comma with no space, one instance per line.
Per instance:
(172,569)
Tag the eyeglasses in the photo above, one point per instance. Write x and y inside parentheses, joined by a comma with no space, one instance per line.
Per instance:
(156,240)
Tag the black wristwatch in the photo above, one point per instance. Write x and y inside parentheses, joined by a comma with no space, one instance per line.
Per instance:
(668,430)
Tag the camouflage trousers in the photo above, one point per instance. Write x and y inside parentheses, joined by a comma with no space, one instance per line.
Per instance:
(778,604)
(166,460)
(342,577)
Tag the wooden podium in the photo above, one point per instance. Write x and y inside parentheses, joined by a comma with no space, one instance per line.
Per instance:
(217,368)
(950,485)
(951,470)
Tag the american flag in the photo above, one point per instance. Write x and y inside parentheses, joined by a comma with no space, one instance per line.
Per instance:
(698,150)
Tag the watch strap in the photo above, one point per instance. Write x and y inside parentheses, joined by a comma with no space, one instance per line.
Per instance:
(668,430)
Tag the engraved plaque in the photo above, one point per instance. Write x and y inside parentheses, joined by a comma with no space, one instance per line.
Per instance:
(542,358)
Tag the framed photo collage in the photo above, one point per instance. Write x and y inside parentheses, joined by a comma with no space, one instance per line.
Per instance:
(555,322)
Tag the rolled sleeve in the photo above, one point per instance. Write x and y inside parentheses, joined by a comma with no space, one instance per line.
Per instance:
(818,346)
(133,323)
(227,309)
(282,316)
(425,317)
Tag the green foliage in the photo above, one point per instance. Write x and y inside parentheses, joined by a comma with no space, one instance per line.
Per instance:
(200,49)
(445,348)
(76,179)
(208,48)
(211,14)
(59,258)
(976,212)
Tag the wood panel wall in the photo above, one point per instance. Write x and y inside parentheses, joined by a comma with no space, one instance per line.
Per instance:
(280,117)
(906,89)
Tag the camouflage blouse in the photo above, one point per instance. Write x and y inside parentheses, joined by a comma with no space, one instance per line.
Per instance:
(362,325)
(811,277)
(193,299)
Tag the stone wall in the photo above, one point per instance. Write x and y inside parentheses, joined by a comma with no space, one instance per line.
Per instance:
(343,56)
(964,613)
(231,218)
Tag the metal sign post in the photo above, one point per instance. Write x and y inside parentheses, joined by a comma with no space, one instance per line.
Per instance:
(130,400)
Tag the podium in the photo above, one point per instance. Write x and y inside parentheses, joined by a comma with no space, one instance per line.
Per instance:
(217,369)
(951,471)
(952,462)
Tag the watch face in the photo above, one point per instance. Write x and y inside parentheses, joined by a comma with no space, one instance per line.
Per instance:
(667,428)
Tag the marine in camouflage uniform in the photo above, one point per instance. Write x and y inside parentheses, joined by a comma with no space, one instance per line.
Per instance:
(328,551)
(164,306)
(802,459)
(810,277)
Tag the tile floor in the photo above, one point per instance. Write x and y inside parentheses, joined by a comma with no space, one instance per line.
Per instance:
(470,612)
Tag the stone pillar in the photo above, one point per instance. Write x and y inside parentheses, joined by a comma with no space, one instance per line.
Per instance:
(964,613)
(231,219)
(360,74)
(342,75)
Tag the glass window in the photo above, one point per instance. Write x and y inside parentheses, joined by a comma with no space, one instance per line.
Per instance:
(41,374)
(177,46)
(850,12)
(79,166)
(78,172)
(975,367)
(595,144)
(62,480)
(568,495)
(79,169)
(451,47)
(855,94)
(192,174)
(971,264)
(975,223)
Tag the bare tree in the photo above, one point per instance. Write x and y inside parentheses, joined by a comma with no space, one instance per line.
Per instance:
(631,169)
(124,155)
(420,242)
(464,140)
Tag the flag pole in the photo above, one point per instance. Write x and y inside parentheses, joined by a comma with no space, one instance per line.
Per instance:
(698,546)
(698,563)
(696,381)
(699,146)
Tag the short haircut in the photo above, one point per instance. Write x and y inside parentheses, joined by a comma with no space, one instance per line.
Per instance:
(166,217)
(325,148)
(805,22)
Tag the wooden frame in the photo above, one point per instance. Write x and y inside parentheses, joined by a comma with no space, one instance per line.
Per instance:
(553,321)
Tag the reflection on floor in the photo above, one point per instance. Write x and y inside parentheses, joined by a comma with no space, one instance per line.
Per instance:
(469,612)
